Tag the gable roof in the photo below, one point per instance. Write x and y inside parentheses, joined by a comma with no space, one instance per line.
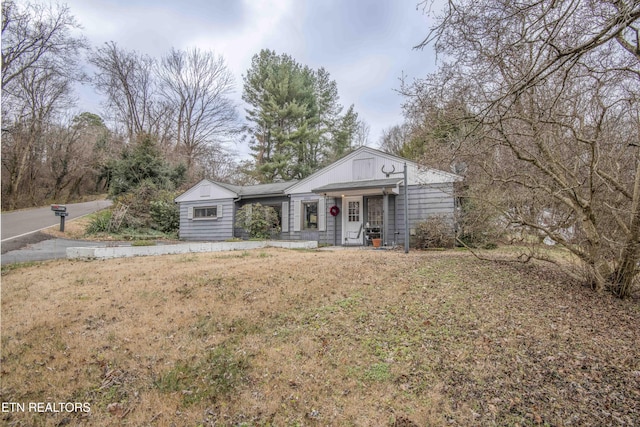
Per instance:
(216,191)
(259,190)
(331,177)
(417,173)
(222,190)
(358,185)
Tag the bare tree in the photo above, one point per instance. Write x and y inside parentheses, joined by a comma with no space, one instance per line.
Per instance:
(218,164)
(39,65)
(361,135)
(77,151)
(554,87)
(394,138)
(197,84)
(127,80)
(33,33)
(67,162)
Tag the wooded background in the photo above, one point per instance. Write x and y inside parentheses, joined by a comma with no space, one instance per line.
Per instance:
(534,103)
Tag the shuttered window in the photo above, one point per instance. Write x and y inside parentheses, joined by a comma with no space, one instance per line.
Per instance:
(206,212)
(310,215)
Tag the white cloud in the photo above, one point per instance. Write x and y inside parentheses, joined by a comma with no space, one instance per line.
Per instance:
(364,44)
(262,26)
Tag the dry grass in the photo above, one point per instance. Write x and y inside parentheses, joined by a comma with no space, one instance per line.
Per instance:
(276,337)
(74,229)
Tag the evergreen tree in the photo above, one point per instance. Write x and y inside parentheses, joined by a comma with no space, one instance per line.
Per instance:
(294,117)
(142,163)
(344,135)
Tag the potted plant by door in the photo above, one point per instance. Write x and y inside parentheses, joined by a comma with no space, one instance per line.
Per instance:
(376,242)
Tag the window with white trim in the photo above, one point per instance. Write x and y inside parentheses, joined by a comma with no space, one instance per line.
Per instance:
(208,212)
(374,212)
(310,215)
(353,212)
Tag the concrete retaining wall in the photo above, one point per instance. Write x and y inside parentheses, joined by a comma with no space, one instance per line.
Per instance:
(183,248)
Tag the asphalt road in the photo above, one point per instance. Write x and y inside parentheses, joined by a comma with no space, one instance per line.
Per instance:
(40,247)
(24,222)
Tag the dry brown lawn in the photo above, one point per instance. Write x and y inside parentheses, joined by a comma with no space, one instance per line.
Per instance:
(75,229)
(290,338)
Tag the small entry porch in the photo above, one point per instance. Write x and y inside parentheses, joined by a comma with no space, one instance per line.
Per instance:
(367,211)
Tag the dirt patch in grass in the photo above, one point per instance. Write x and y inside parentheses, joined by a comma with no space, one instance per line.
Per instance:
(354,337)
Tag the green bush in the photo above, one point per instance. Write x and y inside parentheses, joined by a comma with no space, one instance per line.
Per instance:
(100,222)
(142,161)
(435,232)
(165,215)
(150,208)
(257,220)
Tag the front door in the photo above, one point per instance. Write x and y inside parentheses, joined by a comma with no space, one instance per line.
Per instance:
(352,230)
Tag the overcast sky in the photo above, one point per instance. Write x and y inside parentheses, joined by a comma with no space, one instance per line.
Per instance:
(366,45)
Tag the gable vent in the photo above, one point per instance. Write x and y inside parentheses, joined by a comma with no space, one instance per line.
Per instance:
(205,190)
(363,169)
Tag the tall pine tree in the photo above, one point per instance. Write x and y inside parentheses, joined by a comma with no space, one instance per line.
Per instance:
(294,117)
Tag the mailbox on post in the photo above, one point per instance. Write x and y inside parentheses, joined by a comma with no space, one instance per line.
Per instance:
(61,211)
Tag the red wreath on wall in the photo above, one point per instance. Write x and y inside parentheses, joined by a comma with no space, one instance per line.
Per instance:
(334,211)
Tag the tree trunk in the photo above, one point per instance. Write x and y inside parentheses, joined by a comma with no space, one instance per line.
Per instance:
(625,275)
(21,168)
(628,268)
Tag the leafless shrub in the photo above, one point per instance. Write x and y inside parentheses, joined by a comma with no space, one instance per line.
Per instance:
(434,232)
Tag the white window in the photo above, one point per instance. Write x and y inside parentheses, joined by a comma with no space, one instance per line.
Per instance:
(309,215)
(310,218)
(209,212)
(375,213)
(354,212)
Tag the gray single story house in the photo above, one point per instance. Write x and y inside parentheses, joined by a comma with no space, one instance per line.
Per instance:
(349,202)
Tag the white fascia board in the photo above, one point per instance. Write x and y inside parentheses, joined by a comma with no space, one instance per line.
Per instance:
(421,175)
(425,175)
(193,194)
(328,168)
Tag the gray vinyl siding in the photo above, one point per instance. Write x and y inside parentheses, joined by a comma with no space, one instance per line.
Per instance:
(424,201)
(333,235)
(393,223)
(367,163)
(218,229)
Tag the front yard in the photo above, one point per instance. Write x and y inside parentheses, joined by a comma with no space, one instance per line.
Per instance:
(284,337)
